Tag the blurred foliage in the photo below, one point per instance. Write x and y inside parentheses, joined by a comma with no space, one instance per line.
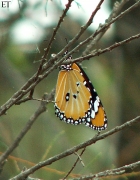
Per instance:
(115,76)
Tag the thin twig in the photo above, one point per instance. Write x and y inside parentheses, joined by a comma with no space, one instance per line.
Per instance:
(102,28)
(77,36)
(53,37)
(75,148)
(43,58)
(116,9)
(99,30)
(79,158)
(101,51)
(112,172)
(68,5)
(83,28)
(40,110)
(24,100)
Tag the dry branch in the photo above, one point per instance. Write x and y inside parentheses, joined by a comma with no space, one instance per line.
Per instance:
(40,110)
(51,64)
(68,152)
(127,169)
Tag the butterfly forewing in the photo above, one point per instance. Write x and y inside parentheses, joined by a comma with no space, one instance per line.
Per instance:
(61,88)
(76,100)
(71,94)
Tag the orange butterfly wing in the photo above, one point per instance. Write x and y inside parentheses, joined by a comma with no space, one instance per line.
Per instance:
(76,100)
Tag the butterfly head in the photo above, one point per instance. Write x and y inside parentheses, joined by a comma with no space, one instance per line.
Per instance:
(66,67)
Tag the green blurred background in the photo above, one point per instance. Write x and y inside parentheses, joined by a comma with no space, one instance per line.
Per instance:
(24,33)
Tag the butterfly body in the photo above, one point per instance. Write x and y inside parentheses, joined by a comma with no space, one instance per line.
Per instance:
(76,100)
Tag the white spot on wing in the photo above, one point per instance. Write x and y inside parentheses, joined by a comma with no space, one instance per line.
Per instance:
(56,110)
(98,99)
(88,119)
(96,104)
(87,124)
(92,114)
(84,83)
(61,116)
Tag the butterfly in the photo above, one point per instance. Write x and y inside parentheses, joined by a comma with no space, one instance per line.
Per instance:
(76,100)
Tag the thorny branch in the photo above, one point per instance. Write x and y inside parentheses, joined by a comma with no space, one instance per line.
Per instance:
(75,149)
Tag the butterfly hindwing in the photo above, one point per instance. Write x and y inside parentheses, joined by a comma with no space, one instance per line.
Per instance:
(96,116)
